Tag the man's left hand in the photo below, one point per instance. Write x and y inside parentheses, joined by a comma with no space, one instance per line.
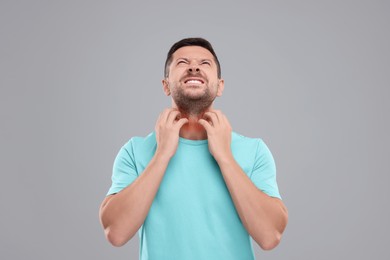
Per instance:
(219,133)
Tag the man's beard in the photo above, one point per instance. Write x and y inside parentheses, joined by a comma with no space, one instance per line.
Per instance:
(192,105)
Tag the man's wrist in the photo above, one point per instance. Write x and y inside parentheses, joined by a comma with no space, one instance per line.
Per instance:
(162,157)
(226,159)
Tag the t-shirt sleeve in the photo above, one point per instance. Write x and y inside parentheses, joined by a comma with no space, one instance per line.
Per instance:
(124,170)
(264,171)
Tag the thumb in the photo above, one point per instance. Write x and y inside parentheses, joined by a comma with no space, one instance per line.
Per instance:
(181,122)
(205,124)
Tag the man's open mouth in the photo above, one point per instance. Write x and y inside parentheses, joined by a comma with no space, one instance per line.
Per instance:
(194,81)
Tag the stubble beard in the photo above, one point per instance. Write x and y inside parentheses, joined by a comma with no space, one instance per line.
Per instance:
(192,105)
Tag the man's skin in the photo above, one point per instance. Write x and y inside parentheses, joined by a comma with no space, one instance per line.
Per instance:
(122,214)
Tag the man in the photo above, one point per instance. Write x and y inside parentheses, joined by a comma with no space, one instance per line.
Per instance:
(193,188)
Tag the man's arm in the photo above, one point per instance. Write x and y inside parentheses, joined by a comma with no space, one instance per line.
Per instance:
(264,217)
(123,214)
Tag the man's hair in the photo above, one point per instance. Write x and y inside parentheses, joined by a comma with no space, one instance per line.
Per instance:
(191,42)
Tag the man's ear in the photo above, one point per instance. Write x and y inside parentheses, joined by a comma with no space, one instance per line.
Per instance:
(166,89)
(221,86)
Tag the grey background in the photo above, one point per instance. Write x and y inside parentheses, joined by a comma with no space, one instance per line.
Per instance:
(79,78)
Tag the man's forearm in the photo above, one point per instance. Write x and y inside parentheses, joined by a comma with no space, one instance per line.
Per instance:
(123,214)
(264,217)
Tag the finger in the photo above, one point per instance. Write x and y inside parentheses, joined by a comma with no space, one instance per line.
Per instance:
(164,115)
(212,116)
(160,116)
(221,116)
(181,122)
(173,114)
(218,113)
(205,124)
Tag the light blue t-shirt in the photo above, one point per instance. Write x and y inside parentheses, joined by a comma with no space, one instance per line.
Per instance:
(193,215)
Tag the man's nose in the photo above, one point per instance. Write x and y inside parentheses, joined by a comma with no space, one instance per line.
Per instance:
(193,69)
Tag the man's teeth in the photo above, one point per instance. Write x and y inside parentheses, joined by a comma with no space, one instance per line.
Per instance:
(194,81)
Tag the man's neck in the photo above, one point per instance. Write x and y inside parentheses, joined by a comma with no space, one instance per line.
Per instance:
(193,130)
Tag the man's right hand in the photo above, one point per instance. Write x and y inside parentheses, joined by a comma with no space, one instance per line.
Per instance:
(167,132)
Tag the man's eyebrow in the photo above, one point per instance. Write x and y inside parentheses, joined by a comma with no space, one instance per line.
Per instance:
(186,59)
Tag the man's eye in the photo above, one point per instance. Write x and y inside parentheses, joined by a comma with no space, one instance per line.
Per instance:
(181,62)
(206,63)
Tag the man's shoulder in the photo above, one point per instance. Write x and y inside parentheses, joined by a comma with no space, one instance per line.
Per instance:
(247,144)
(140,143)
(242,139)
(144,139)
(244,145)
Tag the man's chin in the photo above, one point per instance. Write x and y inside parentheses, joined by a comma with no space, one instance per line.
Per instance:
(193,96)
(193,105)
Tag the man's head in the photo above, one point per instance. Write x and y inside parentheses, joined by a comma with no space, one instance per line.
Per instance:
(192,76)
(191,42)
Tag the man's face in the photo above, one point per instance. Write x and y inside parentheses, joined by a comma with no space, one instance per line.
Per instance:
(193,80)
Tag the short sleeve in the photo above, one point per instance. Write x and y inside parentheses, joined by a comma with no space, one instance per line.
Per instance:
(264,171)
(124,170)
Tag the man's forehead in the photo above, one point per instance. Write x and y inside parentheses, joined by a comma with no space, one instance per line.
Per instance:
(192,52)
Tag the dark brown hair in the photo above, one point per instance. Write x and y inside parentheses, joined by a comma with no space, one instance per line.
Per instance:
(191,42)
